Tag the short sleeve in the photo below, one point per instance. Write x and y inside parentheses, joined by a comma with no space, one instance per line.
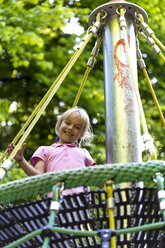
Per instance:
(39,153)
(88,159)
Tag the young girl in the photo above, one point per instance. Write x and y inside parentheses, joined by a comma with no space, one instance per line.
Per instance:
(72,127)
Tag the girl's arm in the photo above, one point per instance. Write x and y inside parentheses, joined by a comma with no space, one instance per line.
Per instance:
(28,169)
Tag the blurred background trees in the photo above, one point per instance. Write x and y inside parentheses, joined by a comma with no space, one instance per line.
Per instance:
(36,42)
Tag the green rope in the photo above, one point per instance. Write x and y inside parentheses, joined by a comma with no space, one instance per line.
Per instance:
(148,227)
(25,238)
(51,217)
(54,229)
(142,228)
(91,176)
(159,180)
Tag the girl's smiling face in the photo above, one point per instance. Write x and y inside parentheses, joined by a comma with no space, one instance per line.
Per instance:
(70,129)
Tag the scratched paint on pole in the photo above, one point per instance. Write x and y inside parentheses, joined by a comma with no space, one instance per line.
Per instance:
(122,77)
(123,82)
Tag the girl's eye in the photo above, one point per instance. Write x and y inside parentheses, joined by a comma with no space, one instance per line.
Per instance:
(67,122)
(78,128)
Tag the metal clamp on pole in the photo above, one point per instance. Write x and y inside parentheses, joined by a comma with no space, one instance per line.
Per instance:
(105,235)
(141,62)
(94,52)
(152,44)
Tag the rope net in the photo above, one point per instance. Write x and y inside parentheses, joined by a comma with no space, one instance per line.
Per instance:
(75,213)
(90,176)
(134,207)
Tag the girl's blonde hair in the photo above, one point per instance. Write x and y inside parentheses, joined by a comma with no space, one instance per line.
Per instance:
(86,131)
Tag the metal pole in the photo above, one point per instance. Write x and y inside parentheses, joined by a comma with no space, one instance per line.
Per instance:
(122,118)
(121,110)
(122,115)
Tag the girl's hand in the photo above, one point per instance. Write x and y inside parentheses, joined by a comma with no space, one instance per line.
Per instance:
(19,155)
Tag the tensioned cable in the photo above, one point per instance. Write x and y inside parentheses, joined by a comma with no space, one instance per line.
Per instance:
(89,67)
(154,96)
(81,86)
(110,208)
(158,41)
(150,37)
(143,68)
(149,31)
(102,14)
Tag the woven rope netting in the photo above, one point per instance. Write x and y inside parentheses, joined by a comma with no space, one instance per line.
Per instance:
(90,176)
(18,220)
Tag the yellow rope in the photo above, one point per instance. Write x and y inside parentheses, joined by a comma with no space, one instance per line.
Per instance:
(143,68)
(142,35)
(154,96)
(81,86)
(151,34)
(161,55)
(158,51)
(89,67)
(110,206)
(158,41)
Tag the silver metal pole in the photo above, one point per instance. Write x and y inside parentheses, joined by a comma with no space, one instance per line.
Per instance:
(121,110)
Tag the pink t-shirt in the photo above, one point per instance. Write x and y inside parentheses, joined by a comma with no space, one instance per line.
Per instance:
(58,157)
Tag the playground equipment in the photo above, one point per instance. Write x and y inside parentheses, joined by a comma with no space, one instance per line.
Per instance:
(132,217)
(27,224)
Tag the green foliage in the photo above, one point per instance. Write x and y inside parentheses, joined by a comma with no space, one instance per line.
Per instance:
(34,50)
(25,28)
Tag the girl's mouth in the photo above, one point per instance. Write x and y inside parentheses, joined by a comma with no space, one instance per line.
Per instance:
(69,134)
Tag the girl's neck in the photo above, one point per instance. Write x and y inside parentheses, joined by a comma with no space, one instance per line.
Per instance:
(77,143)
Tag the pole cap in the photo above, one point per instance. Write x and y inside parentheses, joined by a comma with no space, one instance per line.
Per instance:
(111,7)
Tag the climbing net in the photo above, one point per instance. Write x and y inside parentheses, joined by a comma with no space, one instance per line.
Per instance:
(20,220)
(83,219)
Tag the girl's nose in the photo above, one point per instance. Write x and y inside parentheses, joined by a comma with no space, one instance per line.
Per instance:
(70,127)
